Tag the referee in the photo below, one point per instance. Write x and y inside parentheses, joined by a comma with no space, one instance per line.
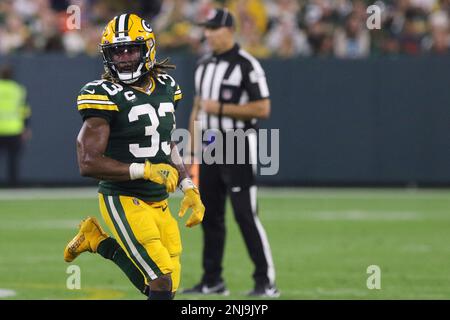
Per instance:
(231,93)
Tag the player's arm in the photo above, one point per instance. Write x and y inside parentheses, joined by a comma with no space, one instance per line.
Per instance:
(255,109)
(177,162)
(191,197)
(91,145)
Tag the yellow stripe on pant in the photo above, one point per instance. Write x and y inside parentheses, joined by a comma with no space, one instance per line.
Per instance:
(147,232)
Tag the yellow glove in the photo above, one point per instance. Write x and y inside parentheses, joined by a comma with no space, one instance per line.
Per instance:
(192,200)
(161,173)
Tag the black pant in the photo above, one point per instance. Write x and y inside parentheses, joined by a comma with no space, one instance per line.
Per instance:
(216,181)
(12,145)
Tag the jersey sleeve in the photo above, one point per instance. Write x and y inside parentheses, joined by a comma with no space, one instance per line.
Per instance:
(254,80)
(172,88)
(177,96)
(94,101)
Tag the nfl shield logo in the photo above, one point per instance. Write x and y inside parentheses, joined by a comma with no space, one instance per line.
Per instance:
(136,201)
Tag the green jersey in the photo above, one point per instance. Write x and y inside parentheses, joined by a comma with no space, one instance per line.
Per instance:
(140,128)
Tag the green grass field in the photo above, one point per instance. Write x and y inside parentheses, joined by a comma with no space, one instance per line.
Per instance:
(322,242)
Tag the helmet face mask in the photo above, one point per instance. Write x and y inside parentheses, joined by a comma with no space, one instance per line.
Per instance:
(128,48)
(126,61)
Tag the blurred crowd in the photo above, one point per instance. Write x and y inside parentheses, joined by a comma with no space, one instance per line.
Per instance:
(265,28)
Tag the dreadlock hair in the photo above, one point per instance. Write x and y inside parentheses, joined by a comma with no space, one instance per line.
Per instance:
(161,67)
(158,68)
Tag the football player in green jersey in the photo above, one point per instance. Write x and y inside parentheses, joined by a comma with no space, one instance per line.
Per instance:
(125,142)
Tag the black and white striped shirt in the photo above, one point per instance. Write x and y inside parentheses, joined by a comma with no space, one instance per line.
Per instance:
(232,77)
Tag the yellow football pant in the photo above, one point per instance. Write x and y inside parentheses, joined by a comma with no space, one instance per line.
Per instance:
(147,232)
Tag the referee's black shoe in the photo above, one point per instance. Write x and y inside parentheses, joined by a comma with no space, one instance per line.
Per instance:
(202,288)
(264,291)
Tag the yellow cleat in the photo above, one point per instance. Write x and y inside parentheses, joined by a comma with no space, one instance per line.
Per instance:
(87,239)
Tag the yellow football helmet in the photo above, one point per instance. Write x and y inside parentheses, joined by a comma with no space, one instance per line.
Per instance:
(128,47)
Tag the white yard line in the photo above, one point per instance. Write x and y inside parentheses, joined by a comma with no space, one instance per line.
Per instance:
(7,293)
(70,224)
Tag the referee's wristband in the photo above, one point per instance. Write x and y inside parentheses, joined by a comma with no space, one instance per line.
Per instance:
(187,184)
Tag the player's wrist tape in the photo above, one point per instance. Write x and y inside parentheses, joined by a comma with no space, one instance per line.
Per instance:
(186,184)
(137,171)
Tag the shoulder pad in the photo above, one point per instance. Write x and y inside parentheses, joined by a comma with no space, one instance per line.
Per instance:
(98,95)
(93,87)
(171,86)
(166,80)
(102,87)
